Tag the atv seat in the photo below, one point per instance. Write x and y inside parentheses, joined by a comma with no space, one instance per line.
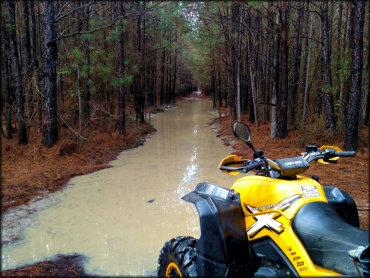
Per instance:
(327,238)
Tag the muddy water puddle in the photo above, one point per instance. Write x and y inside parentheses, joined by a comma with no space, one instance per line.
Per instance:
(119,218)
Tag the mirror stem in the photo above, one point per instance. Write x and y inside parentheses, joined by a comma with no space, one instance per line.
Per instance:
(251,146)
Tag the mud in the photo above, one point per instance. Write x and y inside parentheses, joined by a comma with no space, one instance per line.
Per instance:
(120,217)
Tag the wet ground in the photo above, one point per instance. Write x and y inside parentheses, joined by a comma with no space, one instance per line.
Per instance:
(119,218)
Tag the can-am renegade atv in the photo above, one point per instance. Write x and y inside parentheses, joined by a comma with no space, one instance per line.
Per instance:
(275,223)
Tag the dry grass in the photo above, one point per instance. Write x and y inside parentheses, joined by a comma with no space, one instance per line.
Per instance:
(350,174)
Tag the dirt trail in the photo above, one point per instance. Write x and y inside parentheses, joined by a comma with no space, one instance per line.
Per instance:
(120,217)
(354,182)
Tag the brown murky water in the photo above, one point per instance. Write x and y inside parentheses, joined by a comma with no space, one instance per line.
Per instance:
(120,217)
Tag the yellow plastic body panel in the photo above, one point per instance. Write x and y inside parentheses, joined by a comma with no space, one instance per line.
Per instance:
(232,161)
(329,147)
(269,206)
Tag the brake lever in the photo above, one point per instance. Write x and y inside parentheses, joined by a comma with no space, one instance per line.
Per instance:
(330,161)
(329,153)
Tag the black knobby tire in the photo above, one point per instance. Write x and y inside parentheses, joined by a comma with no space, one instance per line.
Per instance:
(177,258)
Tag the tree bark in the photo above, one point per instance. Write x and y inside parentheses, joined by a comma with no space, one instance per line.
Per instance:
(161,92)
(236,53)
(139,99)
(121,55)
(367,112)
(2,58)
(327,75)
(87,95)
(27,46)
(253,81)
(174,75)
(353,108)
(6,70)
(274,64)
(284,54)
(297,65)
(36,66)
(22,135)
(50,123)
(27,41)
(308,61)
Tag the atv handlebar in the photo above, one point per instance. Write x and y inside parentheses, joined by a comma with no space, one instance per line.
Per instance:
(326,155)
(345,154)
(253,165)
(244,169)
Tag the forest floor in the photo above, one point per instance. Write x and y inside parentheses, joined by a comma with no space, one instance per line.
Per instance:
(33,170)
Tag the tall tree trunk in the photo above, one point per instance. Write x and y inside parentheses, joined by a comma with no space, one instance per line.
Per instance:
(2,58)
(236,53)
(284,14)
(250,76)
(22,135)
(339,43)
(121,55)
(327,76)
(253,81)
(344,44)
(353,109)
(50,132)
(140,99)
(87,96)
(308,61)
(367,108)
(27,46)
(275,79)
(213,87)
(161,92)
(174,76)
(6,70)
(219,92)
(169,77)
(37,83)
(297,65)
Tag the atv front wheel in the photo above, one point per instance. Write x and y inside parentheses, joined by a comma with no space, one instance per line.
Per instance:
(177,258)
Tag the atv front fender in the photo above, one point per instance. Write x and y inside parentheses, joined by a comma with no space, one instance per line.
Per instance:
(223,249)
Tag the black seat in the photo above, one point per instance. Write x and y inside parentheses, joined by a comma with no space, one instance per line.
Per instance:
(327,238)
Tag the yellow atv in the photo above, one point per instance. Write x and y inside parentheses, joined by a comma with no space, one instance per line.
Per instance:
(272,224)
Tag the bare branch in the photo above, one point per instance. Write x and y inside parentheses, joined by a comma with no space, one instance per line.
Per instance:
(79,135)
(71,11)
(305,37)
(87,32)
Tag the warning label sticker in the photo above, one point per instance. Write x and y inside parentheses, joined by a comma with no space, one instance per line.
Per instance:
(310,191)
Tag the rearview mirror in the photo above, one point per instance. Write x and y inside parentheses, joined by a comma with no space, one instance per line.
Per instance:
(242,131)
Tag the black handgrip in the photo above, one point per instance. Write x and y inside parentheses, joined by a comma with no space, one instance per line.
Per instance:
(232,168)
(253,165)
(345,154)
(243,169)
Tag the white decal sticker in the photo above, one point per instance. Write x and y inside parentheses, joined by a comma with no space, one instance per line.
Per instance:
(268,220)
(310,191)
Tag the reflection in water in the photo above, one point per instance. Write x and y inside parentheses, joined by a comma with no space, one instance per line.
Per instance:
(106,215)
